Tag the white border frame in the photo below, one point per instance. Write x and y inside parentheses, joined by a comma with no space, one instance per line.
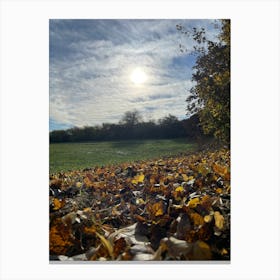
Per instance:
(24,138)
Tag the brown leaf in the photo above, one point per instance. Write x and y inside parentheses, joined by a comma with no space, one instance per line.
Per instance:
(119,246)
(60,238)
(184,226)
(201,251)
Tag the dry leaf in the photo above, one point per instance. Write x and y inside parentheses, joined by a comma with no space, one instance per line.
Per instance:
(219,220)
(201,251)
(138,179)
(193,202)
(208,218)
(57,204)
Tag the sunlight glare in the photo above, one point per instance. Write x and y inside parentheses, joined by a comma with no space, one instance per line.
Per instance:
(138,76)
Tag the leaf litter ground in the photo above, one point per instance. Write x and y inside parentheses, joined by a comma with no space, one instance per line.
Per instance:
(175,208)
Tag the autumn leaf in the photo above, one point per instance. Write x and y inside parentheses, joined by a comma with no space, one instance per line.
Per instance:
(138,179)
(156,209)
(88,182)
(219,220)
(179,189)
(184,226)
(219,190)
(119,246)
(208,218)
(107,244)
(57,204)
(220,170)
(193,202)
(197,219)
(201,251)
(202,169)
(90,230)
(178,193)
(185,177)
(60,237)
(140,201)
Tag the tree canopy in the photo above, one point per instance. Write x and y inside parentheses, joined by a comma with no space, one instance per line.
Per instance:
(210,96)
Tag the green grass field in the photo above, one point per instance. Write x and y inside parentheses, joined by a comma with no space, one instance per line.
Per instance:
(73,156)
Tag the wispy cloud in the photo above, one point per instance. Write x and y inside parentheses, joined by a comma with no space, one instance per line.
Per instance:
(91,62)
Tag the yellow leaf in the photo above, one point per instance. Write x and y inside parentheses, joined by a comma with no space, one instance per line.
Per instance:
(224,252)
(208,218)
(185,177)
(193,202)
(158,209)
(202,170)
(87,210)
(178,193)
(140,201)
(57,204)
(179,189)
(219,220)
(107,244)
(219,190)
(138,179)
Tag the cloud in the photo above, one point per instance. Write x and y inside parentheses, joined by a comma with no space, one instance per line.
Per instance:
(90,65)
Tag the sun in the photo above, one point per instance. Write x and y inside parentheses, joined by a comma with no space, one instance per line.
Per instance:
(138,76)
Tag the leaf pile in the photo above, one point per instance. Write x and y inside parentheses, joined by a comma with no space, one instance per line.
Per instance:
(175,208)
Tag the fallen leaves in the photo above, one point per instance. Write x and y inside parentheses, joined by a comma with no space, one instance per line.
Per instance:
(138,179)
(168,209)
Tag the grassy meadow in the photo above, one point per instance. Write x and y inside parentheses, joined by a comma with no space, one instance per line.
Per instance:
(73,156)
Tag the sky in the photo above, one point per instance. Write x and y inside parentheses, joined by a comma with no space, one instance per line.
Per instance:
(92,61)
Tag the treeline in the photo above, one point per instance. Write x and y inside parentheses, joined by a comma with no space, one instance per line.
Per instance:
(131,127)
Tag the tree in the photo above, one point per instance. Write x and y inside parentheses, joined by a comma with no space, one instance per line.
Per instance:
(210,96)
(131,118)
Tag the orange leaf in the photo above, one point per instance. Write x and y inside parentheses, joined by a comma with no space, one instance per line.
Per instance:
(90,230)
(61,238)
(219,190)
(221,170)
(156,209)
(197,219)
(58,204)
(88,182)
